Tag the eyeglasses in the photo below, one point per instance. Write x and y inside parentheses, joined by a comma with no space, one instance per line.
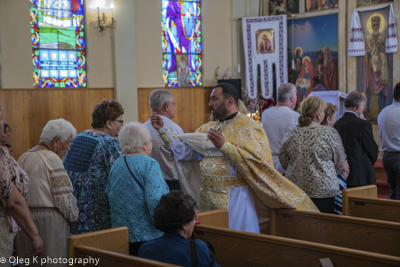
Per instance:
(120,121)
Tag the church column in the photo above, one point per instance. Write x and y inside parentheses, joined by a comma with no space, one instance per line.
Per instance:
(125,59)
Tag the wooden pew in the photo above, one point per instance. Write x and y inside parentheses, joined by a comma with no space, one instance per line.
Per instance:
(343,231)
(235,248)
(105,248)
(363,202)
(218,218)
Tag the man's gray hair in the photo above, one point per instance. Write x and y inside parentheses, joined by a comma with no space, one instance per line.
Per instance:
(285,92)
(158,98)
(354,99)
(132,137)
(57,128)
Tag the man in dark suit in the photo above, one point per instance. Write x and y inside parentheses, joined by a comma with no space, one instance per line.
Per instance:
(358,141)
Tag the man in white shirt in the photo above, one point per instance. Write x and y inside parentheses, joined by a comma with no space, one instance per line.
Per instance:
(277,120)
(162,103)
(389,131)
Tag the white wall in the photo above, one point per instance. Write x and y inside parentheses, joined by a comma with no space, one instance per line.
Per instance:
(125,59)
(16,47)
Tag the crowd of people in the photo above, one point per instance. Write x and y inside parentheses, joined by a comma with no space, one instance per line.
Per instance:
(135,175)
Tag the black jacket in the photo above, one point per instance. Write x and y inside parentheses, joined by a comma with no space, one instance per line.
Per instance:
(361,149)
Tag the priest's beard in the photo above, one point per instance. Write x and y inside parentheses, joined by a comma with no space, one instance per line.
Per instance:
(220,112)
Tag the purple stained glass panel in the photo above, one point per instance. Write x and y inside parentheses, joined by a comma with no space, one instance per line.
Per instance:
(181,43)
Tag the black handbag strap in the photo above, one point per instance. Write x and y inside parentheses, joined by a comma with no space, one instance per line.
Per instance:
(193,249)
(210,247)
(132,174)
(195,259)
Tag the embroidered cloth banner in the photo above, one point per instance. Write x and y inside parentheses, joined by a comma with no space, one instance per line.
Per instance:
(356,38)
(265,44)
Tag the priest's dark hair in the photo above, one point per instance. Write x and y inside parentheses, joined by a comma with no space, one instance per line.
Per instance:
(228,90)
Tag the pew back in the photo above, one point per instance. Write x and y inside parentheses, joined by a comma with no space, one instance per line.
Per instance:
(107,258)
(105,248)
(114,240)
(363,202)
(235,248)
(369,191)
(343,231)
(218,218)
(374,208)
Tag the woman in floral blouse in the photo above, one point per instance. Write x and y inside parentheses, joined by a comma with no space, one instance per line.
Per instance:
(313,155)
(14,212)
(88,165)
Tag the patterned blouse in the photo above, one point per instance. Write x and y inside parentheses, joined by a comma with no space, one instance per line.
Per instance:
(313,156)
(133,200)
(49,185)
(88,165)
(11,175)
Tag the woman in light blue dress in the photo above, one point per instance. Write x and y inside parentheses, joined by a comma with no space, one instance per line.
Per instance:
(135,186)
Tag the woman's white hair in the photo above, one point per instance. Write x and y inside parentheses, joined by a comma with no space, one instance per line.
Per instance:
(132,137)
(57,128)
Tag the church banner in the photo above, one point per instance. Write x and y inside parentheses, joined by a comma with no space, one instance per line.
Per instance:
(265,44)
(377,27)
(373,40)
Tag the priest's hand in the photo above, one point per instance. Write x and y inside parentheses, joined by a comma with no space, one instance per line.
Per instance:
(156,121)
(216,138)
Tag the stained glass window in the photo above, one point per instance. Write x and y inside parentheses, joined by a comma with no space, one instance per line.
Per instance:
(58,42)
(181,43)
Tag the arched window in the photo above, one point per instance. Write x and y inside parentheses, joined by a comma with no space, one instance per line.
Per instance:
(58,42)
(181,43)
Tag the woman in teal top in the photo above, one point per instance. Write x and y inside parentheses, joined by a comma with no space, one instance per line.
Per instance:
(135,186)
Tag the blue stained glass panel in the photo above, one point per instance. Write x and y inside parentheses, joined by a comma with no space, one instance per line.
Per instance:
(58,42)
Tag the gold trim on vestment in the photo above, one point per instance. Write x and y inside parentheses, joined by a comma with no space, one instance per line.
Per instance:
(220,182)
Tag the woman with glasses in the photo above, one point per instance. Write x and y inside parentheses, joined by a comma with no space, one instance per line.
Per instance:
(5,136)
(88,165)
(50,199)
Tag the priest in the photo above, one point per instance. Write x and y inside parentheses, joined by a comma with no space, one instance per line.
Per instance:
(242,177)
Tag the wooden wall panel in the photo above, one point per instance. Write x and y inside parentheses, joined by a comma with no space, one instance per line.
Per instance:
(28,110)
(192,108)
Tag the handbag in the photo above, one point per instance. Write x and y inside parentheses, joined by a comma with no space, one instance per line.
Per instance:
(132,174)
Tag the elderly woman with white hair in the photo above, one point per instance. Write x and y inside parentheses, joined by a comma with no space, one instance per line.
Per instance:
(50,200)
(135,186)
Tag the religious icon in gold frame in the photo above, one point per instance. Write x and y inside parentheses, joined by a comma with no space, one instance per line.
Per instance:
(265,41)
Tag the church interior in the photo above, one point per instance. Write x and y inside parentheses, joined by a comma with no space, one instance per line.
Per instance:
(325,48)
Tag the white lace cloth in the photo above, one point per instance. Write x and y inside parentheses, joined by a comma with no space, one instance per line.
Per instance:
(356,38)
